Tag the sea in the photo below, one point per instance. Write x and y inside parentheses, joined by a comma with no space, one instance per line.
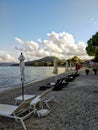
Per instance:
(10,75)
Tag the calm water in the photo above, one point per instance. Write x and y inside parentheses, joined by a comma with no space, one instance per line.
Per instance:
(10,75)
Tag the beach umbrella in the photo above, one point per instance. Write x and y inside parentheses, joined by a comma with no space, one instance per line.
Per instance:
(22,67)
(67,67)
(55,69)
(70,66)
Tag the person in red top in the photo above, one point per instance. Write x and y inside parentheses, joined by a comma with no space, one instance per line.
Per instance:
(78,66)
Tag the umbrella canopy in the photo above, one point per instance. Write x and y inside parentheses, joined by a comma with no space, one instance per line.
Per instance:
(66,67)
(55,69)
(22,67)
(70,66)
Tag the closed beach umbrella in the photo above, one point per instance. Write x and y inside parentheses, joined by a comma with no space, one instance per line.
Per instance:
(70,66)
(66,67)
(55,69)
(22,67)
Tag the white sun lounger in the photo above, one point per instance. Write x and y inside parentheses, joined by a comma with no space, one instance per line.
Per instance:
(19,99)
(17,112)
(39,99)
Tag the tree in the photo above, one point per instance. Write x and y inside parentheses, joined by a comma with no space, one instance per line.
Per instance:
(76,59)
(92,48)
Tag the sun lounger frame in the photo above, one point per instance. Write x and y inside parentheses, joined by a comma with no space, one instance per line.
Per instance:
(21,109)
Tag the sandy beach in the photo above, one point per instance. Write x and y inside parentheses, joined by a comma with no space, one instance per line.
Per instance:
(75,107)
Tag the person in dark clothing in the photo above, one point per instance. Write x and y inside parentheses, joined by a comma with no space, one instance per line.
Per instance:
(87,71)
(95,71)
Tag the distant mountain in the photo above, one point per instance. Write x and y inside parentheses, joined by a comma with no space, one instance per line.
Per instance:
(7,63)
(46,61)
(49,58)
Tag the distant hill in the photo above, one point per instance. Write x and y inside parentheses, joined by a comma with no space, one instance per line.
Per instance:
(48,58)
(46,61)
(7,63)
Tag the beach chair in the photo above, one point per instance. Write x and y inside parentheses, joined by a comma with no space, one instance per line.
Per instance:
(58,85)
(47,86)
(19,98)
(46,101)
(39,99)
(46,92)
(19,113)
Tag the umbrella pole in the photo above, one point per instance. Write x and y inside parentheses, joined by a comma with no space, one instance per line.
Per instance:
(22,90)
(56,78)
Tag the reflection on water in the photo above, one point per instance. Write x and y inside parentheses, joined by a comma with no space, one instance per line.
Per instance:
(10,75)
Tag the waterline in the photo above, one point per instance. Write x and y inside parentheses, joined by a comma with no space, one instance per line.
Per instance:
(10,75)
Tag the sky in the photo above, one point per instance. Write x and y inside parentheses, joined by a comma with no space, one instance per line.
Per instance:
(40,28)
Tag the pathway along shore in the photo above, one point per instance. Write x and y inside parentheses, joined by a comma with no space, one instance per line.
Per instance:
(75,108)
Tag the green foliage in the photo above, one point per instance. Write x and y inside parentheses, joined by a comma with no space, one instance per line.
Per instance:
(36,63)
(75,59)
(92,48)
(61,62)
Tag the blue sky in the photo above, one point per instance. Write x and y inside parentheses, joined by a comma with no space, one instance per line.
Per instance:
(30,20)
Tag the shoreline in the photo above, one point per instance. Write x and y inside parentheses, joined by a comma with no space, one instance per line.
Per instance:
(52,78)
(11,77)
(75,106)
(8,86)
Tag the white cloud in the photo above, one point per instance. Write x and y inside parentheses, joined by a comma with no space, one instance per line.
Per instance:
(19,40)
(31,49)
(63,45)
(92,20)
(60,44)
(7,57)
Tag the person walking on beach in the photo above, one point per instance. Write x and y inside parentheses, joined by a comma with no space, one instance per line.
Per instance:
(95,71)
(87,71)
(77,67)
